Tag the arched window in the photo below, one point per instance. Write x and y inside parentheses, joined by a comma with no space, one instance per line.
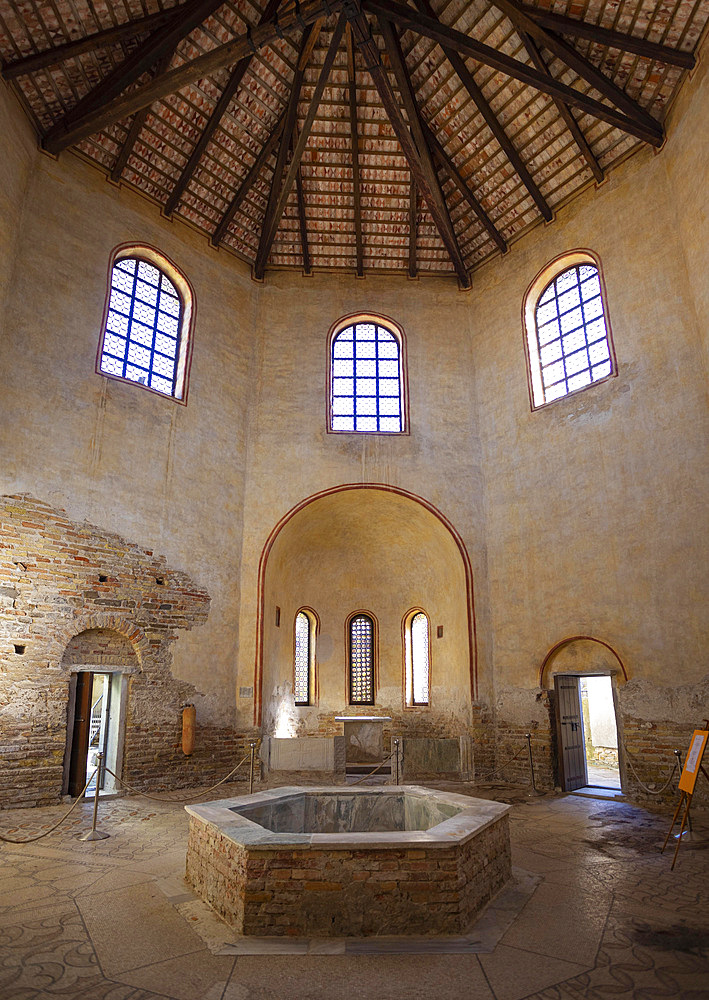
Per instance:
(367,377)
(417,653)
(146,330)
(304,657)
(568,337)
(361,659)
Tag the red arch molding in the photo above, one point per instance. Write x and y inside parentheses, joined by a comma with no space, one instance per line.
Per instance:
(263,562)
(576,638)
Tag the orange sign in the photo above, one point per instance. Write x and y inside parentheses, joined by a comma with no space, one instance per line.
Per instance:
(694,760)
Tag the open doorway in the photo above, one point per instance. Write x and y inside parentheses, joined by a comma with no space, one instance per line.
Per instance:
(600,731)
(96,709)
(588,734)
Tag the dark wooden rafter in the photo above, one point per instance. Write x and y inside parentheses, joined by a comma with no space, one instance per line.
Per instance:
(614,39)
(259,163)
(354,136)
(362,35)
(573,58)
(83,121)
(407,17)
(289,124)
(136,126)
(277,204)
(564,110)
(212,123)
(408,97)
(160,42)
(492,121)
(302,221)
(413,219)
(97,40)
(455,175)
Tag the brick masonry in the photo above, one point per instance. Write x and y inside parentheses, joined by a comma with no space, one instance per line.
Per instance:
(72,593)
(359,892)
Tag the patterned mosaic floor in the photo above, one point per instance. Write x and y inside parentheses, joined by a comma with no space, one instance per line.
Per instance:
(113,919)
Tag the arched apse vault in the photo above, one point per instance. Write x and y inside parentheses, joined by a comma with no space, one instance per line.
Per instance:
(376,546)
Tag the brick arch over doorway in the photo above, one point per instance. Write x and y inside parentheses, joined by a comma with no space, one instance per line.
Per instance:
(119,640)
(577,639)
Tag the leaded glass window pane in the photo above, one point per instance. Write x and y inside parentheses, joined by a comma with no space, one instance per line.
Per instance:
(366,380)
(142,341)
(301,685)
(361,660)
(571,333)
(419,658)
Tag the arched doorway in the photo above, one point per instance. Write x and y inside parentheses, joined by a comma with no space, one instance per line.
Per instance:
(99,662)
(585,671)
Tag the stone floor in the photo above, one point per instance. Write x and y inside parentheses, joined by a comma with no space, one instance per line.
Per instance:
(603,777)
(113,919)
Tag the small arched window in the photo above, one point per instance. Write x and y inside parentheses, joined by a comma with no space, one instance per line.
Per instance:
(146,329)
(361,659)
(367,377)
(568,336)
(418,662)
(304,658)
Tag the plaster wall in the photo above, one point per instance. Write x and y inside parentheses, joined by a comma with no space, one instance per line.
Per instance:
(19,153)
(292,456)
(166,476)
(686,161)
(594,503)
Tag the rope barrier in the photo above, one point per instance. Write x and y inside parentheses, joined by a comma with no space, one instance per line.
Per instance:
(645,788)
(371,773)
(30,840)
(157,798)
(484,778)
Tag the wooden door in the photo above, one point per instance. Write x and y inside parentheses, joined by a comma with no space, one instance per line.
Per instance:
(572,750)
(80,733)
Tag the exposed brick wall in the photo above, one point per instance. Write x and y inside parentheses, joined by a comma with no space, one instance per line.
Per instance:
(651,746)
(363,891)
(57,611)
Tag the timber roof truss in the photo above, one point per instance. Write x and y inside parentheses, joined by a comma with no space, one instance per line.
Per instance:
(419,136)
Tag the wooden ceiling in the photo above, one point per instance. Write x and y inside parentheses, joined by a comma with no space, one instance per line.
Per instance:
(419,137)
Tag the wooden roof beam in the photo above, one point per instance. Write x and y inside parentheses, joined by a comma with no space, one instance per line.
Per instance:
(454,174)
(264,154)
(162,41)
(479,99)
(83,120)
(98,40)
(352,81)
(407,17)
(277,204)
(215,118)
(413,214)
(573,58)
(614,39)
(408,97)
(136,126)
(362,35)
(564,110)
(289,127)
(305,248)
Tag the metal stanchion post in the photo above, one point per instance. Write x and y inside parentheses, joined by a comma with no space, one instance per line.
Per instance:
(528,737)
(396,759)
(251,768)
(93,833)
